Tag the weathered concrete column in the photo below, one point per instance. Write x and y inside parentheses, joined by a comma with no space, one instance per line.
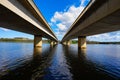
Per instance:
(37,41)
(68,42)
(55,43)
(64,43)
(82,42)
(51,43)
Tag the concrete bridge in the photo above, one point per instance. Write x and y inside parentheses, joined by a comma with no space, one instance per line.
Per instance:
(24,16)
(99,16)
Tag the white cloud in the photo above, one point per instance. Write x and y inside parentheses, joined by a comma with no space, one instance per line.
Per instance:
(113,36)
(64,19)
(61,26)
(4,29)
(67,17)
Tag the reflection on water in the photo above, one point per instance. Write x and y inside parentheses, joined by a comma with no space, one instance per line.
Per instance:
(58,68)
(37,51)
(19,61)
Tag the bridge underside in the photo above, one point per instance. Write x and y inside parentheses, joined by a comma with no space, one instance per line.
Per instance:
(107,24)
(103,16)
(12,21)
(100,16)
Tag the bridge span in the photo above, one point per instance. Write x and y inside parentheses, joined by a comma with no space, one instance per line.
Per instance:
(98,17)
(24,16)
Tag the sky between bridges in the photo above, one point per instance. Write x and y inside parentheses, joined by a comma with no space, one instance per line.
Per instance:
(60,14)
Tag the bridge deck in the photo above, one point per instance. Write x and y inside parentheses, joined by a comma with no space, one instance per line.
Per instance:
(102,16)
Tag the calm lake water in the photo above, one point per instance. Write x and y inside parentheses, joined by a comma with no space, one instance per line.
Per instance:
(20,61)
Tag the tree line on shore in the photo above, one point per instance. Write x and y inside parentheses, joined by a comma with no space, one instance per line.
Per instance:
(48,41)
(95,42)
(19,40)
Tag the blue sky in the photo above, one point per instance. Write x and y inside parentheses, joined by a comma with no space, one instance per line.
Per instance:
(60,14)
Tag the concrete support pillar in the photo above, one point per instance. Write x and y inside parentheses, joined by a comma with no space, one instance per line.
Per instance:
(64,43)
(82,42)
(37,41)
(51,43)
(55,43)
(68,42)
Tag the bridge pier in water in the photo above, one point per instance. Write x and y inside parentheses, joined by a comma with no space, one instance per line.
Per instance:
(54,43)
(68,42)
(64,43)
(38,41)
(82,42)
(51,43)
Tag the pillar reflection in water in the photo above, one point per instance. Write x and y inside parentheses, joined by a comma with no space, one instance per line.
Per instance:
(51,46)
(37,63)
(37,52)
(81,53)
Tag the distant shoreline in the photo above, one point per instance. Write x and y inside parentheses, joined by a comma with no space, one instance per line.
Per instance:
(15,40)
(20,40)
(95,42)
(103,42)
(47,41)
